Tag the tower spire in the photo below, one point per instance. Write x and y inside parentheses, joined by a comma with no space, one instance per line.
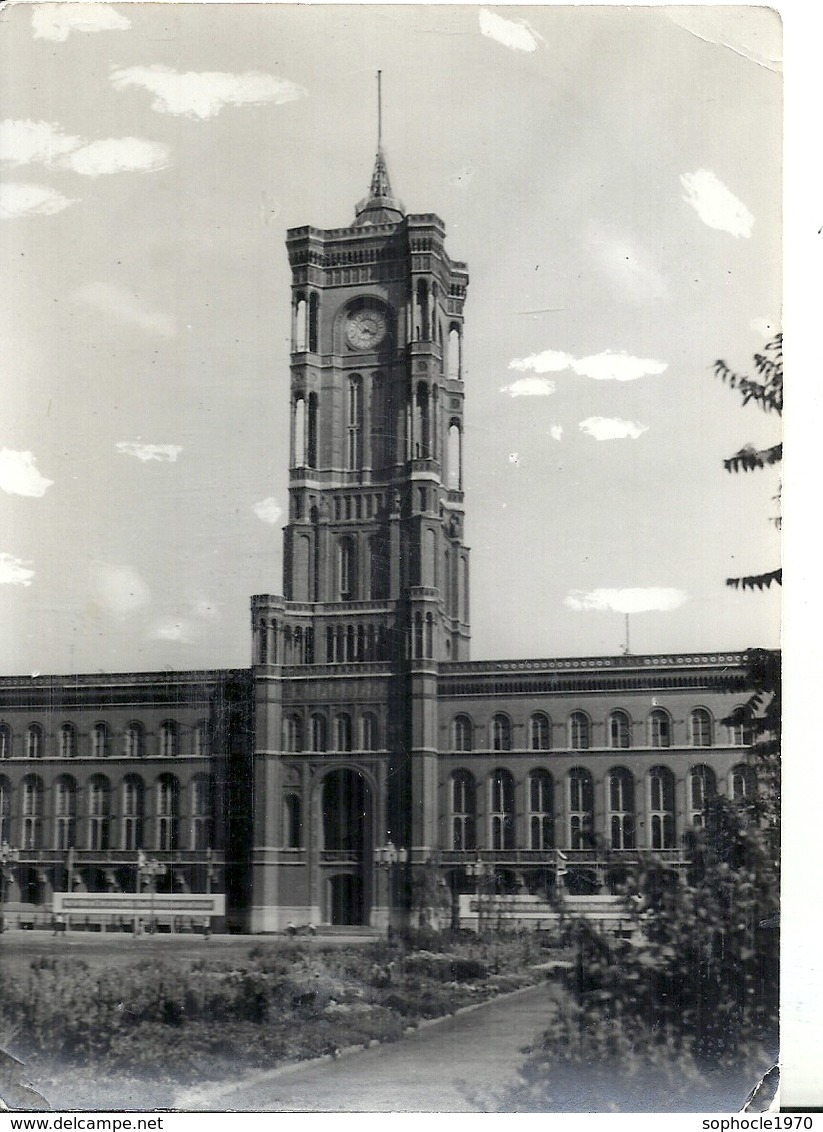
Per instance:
(380,206)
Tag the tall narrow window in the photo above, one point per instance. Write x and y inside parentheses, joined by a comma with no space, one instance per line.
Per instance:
(5,741)
(454,476)
(292,822)
(454,352)
(99,795)
(581,808)
(99,741)
(202,790)
(168,812)
(620,734)
(739,731)
(347,568)
(314,317)
(463,809)
(342,729)
(743,783)
(32,812)
(292,733)
(579,731)
(67,741)
(661,807)
(700,726)
(311,432)
(368,732)
(34,741)
(354,447)
(702,788)
(660,729)
(317,726)
(462,733)
(501,733)
(168,739)
(621,808)
(5,811)
(541,810)
(202,739)
(299,431)
(501,809)
(65,813)
(133,740)
(423,414)
(539,732)
(133,812)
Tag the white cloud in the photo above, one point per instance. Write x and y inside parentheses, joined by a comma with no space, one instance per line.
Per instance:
(124,306)
(19,476)
(30,200)
(268,510)
(55,21)
(203,94)
(633,600)
(529,387)
(765,327)
(612,428)
(144,452)
(116,155)
(169,631)
(606,366)
(120,589)
(14,571)
(23,142)
(556,432)
(716,206)
(515,34)
(462,176)
(205,609)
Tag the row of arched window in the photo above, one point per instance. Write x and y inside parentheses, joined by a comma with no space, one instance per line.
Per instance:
(102,741)
(100,817)
(624,797)
(341,733)
(621,731)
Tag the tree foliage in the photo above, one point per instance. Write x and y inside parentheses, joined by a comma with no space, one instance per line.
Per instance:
(765,390)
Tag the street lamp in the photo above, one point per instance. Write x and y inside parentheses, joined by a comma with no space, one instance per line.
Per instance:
(479,871)
(8,856)
(151,868)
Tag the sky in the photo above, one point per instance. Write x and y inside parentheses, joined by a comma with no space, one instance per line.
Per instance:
(612,176)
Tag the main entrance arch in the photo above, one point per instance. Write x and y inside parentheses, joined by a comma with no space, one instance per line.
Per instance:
(347,809)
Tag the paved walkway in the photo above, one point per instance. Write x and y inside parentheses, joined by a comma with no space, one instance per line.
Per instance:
(456,1065)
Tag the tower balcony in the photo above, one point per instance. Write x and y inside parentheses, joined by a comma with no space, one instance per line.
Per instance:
(423,466)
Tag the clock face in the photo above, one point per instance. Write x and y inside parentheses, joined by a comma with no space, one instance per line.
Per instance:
(365,329)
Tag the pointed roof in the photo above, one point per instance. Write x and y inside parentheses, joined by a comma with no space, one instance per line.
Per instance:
(380,206)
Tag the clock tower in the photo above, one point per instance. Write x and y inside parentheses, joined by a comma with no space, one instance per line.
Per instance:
(375,568)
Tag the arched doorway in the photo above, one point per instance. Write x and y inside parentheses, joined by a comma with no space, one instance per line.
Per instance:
(347,841)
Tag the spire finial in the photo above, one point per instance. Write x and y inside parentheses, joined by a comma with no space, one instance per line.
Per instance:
(379,111)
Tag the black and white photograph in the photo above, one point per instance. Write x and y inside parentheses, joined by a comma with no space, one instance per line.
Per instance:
(390,558)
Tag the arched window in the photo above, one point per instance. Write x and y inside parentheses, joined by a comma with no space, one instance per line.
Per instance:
(134,740)
(463,809)
(454,457)
(700,727)
(347,568)
(540,731)
(292,733)
(620,730)
(5,811)
(202,739)
(34,741)
(299,431)
(99,813)
(32,812)
(453,367)
(202,793)
(65,813)
(354,435)
(742,783)
(541,810)
(99,741)
(299,324)
(661,807)
(317,729)
(342,732)
(292,822)
(5,741)
(739,731)
(660,728)
(581,808)
(311,432)
(702,788)
(168,739)
(423,421)
(134,805)
(314,316)
(621,808)
(501,809)
(501,732)
(368,732)
(67,741)
(168,812)
(462,733)
(579,731)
